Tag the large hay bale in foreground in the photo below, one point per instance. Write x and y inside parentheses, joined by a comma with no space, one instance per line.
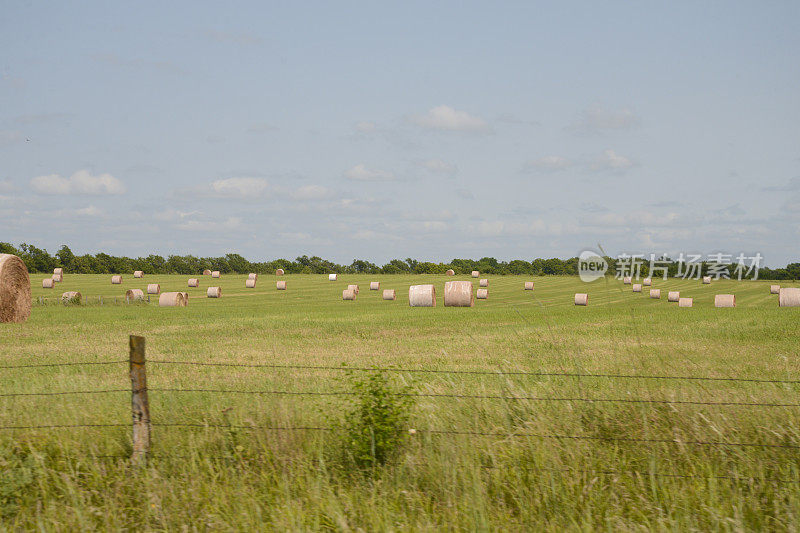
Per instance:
(279,272)
(774,289)
(131,295)
(172,299)
(458,294)
(280,285)
(647,282)
(116,280)
(581,299)
(789,297)
(153,288)
(422,296)
(450,272)
(138,274)
(194,282)
(374,285)
(673,296)
(706,280)
(389,294)
(483,283)
(206,272)
(686,302)
(655,294)
(528,285)
(332,277)
(637,287)
(348,294)
(71,297)
(59,271)
(250,283)
(725,300)
(476,274)
(216,274)
(627,280)
(48,283)
(482,294)
(15,289)
(353,288)
(214,292)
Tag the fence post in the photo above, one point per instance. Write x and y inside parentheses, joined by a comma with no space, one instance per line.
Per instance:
(140,407)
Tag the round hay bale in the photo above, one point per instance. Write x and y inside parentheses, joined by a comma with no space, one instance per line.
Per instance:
(172,299)
(482,294)
(215,274)
(685,302)
(348,294)
(15,289)
(374,285)
(483,283)
(706,280)
(48,283)
(476,274)
(116,280)
(528,285)
(252,275)
(331,277)
(647,282)
(581,298)
(57,278)
(627,280)
(186,297)
(673,296)
(774,289)
(138,274)
(279,272)
(194,282)
(725,300)
(153,288)
(250,283)
(458,294)
(637,287)
(214,292)
(131,295)
(59,271)
(206,272)
(353,288)
(389,294)
(450,272)
(280,285)
(422,296)
(655,294)
(789,297)
(71,297)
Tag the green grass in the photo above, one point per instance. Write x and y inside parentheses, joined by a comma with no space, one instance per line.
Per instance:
(244,479)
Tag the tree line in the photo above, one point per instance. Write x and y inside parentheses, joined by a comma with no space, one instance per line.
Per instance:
(40,260)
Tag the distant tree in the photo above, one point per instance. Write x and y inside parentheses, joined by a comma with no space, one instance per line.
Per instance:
(65,258)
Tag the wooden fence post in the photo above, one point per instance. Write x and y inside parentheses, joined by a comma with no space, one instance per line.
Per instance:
(140,407)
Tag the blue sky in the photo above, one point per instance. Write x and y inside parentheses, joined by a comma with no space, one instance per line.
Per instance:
(375,131)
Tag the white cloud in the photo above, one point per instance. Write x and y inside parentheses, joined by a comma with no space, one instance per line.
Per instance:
(245,188)
(597,119)
(612,161)
(365,126)
(81,182)
(549,163)
(439,167)
(362,173)
(445,118)
(310,192)
(90,211)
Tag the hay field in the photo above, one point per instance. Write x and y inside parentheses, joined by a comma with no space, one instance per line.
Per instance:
(663,455)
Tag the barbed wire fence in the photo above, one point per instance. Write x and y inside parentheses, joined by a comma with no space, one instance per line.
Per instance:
(141,423)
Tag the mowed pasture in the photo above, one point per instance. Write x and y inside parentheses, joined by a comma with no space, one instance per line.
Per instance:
(503,451)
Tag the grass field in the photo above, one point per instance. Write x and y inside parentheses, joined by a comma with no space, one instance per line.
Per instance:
(550,462)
